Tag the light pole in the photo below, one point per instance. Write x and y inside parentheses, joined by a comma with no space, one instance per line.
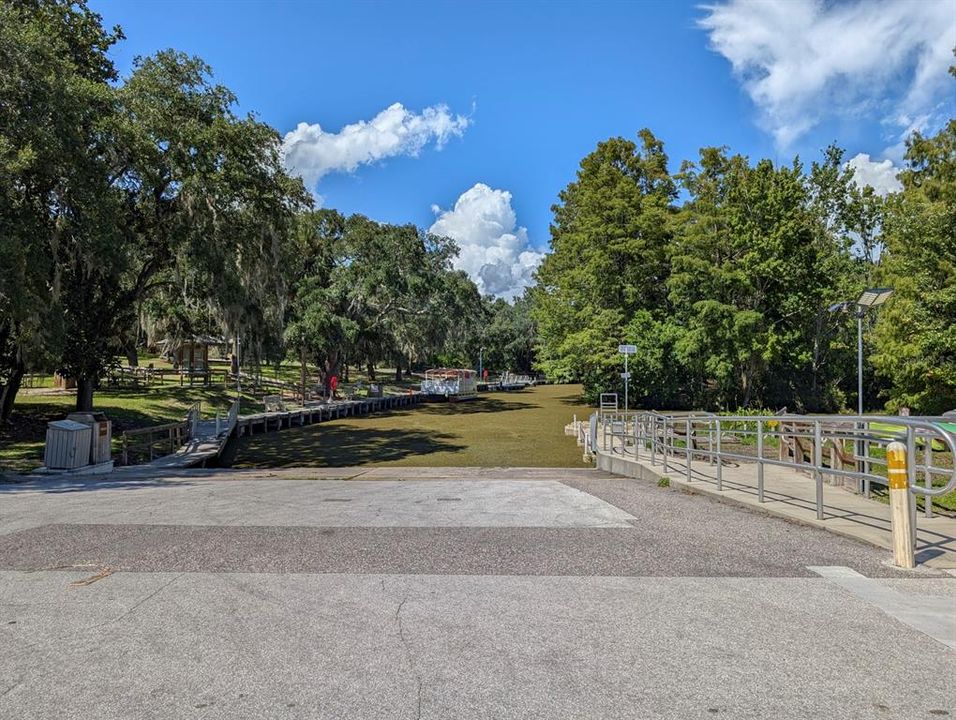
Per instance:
(626,350)
(238,372)
(871,298)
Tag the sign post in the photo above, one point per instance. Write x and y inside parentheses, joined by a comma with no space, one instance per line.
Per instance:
(626,350)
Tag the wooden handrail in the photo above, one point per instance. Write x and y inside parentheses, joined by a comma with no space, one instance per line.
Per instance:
(156,428)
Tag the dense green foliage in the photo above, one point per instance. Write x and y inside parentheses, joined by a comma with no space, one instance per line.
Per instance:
(55,106)
(729,294)
(916,333)
(608,262)
(144,208)
(365,292)
(149,190)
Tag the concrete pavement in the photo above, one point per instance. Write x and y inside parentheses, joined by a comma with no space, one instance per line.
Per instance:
(450,593)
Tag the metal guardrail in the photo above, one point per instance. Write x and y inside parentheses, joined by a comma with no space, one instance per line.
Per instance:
(844,446)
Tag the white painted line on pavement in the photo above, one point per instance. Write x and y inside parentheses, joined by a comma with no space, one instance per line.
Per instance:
(931,615)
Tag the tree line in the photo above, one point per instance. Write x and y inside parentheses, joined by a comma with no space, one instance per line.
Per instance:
(141,208)
(727,273)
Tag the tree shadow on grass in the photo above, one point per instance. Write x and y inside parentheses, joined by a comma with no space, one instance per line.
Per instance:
(334,446)
(575,401)
(472,407)
(29,421)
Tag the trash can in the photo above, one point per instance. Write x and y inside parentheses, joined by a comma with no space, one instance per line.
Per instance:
(101,439)
(67,445)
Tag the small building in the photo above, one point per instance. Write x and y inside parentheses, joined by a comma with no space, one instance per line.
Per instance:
(192,354)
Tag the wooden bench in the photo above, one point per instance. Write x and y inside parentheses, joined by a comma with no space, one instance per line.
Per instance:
(273,403)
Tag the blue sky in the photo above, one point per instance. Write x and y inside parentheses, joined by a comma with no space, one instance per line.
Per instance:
(500,101)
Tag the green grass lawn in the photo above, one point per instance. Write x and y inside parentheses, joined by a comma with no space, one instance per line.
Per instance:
(498,429)
(21,441)
(943,503)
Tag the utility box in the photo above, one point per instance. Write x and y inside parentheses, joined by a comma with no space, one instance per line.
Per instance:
(101,439)
(67,445)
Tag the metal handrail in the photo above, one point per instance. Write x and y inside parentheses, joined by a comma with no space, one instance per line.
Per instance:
(658,434)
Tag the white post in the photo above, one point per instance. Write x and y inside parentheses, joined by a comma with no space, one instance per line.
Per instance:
(901,515)
(627,382)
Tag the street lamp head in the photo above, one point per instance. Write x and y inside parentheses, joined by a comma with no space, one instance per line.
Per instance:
(872,297)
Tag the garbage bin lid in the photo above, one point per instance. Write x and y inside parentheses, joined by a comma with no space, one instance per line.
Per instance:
(67,425)
(87,417)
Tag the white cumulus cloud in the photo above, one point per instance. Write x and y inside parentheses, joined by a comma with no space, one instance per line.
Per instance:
(312,152)
(803,60)
(878,174)
(495,251)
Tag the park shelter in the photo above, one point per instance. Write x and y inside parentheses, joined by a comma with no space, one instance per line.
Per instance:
(190,354)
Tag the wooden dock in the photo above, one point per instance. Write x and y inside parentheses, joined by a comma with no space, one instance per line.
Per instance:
(320,412)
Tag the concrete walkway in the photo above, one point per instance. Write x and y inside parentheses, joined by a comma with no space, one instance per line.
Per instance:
(791,495)
(426,594)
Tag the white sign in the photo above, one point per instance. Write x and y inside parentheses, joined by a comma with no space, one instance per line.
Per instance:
(625,376)
(627,349)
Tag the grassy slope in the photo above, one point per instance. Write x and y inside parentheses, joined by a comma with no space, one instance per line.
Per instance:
(21,442)
(497,429)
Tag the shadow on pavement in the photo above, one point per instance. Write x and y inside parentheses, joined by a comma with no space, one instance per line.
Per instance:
(23,484)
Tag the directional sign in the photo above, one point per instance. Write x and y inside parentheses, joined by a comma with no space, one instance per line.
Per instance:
(625,376)
(627,349)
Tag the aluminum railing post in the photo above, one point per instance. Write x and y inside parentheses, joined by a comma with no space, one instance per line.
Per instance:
(664,424)
(866,452)
(720,477)
(760,461)
(911,477)
(709,453)
(688,430)
(818,466)
(637,439)
(928,476)
(653,439)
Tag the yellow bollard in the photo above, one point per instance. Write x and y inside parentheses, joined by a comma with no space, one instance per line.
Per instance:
(900,500)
